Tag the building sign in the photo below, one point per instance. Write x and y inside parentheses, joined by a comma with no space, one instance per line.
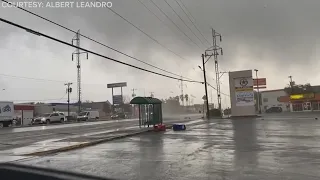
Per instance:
(262,87)
(302,96)
(114,85)
(244,91)
(260,82)
(117,99)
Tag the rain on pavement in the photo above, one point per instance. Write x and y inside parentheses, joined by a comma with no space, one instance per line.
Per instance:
(219,149)
(15,142)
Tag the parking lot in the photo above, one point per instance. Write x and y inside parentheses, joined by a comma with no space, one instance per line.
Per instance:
(283,148)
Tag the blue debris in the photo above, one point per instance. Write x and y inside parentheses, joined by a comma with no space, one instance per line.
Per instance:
(179,127)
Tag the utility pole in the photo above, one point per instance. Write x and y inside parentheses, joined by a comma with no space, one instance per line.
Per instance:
(182,99)
(214,52)
(77,53)
(69,90)
(291,83)
(205,85)
(258,95)
(133,94)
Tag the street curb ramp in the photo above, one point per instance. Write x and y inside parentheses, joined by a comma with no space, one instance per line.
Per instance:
(82,145)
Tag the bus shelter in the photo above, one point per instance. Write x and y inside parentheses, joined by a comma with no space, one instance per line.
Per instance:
(150,110)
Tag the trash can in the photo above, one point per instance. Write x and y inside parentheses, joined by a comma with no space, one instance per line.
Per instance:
(179,127)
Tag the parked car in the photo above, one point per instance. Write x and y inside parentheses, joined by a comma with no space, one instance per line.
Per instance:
(49,118)
(274,110)
(118,116)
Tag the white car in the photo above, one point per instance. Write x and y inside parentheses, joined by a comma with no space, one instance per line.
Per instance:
(49,118)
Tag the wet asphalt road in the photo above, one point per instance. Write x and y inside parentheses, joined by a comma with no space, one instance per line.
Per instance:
(283,148)
(19,137)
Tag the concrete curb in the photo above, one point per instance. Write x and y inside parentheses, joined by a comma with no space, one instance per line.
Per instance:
(82,145)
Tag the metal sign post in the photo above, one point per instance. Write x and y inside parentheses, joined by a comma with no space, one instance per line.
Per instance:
(117,99)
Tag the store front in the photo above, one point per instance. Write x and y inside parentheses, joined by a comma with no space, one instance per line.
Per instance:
(303,102)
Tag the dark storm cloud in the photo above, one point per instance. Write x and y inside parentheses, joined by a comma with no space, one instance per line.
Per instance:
(260,34)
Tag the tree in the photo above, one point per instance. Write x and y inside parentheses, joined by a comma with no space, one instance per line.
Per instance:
(181,97)
(298,89)
(186,97)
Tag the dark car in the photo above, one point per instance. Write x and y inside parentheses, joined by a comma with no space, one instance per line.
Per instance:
(118,116)
(274,110)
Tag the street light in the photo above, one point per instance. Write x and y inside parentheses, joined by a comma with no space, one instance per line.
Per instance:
(258,95)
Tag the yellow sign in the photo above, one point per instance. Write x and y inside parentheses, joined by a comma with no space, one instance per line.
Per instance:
(302,96)
(244,88)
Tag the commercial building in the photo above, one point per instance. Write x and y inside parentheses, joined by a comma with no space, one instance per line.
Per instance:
(298,102)
(272,98)
(23,113)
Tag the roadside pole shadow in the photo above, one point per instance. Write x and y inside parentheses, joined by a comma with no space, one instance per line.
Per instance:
(245,146)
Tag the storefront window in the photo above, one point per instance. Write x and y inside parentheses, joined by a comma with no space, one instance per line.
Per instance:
(315,106)
(297,107)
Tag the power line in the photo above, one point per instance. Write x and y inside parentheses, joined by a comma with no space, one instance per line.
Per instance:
(43,99)
(216,89)
(97,54)
(66,28)
(41,79)
(184,22)
(38,79)
(187,10)
(144,33)
(192,22)
(167,25)
(173,22)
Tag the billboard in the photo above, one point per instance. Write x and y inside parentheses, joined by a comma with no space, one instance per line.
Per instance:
(244,91)
(114,85)
(117,99)
(260,82)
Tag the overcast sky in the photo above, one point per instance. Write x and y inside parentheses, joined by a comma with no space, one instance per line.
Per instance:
(278,37)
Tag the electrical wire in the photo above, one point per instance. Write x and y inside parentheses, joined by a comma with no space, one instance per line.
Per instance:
(38,79)
(41,79)
(66,28)
(187,10)
(41,100)
(167,25)
(184,22)
(216,89)
(91,52)
(145,33)
(192,22)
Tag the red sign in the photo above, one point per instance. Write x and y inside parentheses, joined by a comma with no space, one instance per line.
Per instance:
(260,82)
(260,87)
